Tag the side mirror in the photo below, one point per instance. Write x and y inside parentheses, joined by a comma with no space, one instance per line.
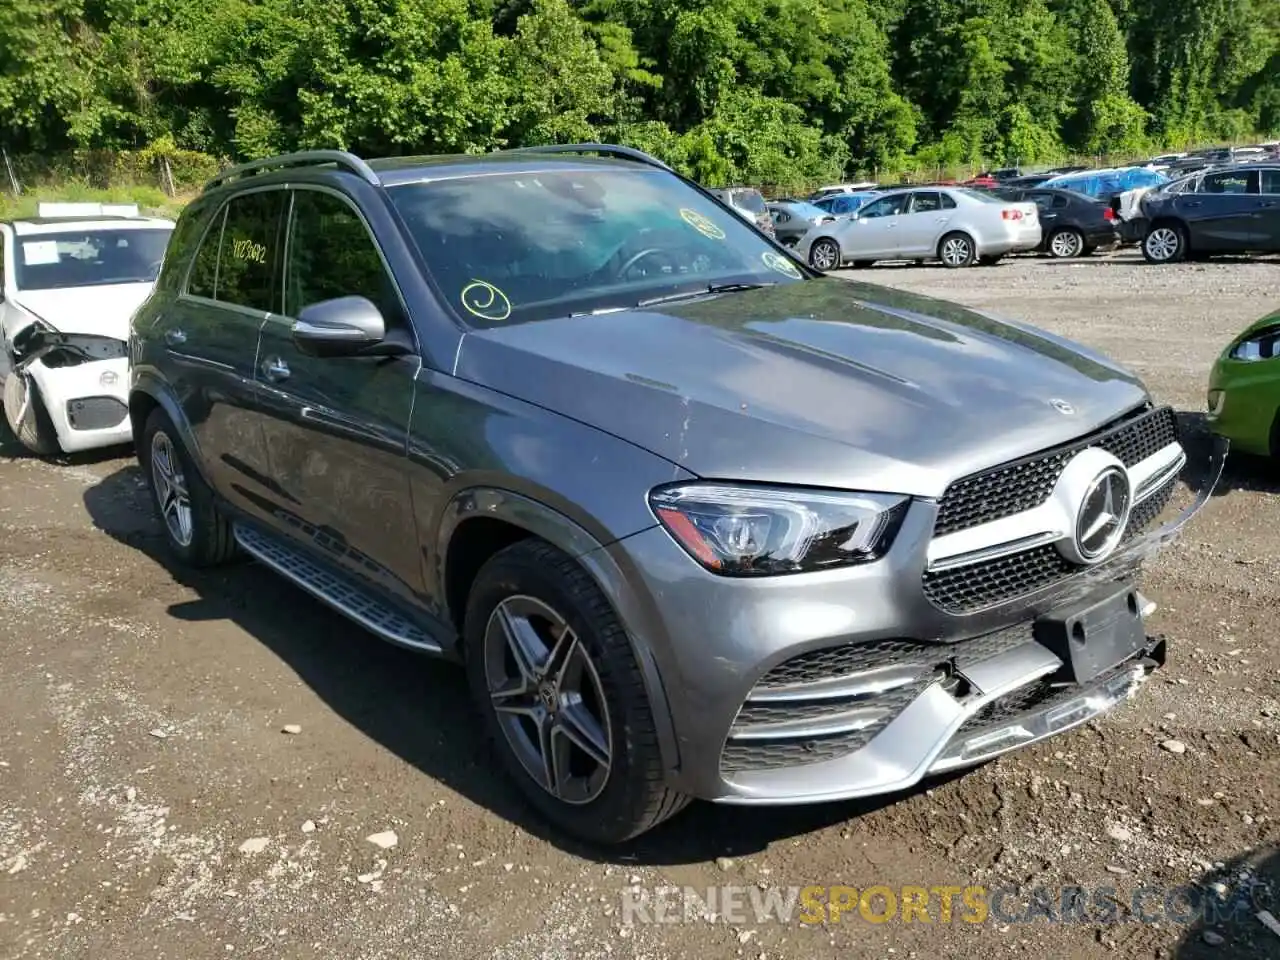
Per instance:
(339,328)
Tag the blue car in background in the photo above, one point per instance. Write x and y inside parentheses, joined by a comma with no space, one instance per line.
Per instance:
(846,204)
(1122,188)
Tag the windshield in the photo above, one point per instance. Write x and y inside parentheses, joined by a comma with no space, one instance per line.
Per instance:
(90,258)
(513,247)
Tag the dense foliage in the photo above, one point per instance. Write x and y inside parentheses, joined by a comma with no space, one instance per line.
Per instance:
(769,91)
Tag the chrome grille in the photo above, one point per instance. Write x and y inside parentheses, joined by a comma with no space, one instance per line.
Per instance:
(1025,484)
(978,586)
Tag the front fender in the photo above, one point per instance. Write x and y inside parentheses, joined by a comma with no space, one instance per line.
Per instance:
(571,538)
(149,389)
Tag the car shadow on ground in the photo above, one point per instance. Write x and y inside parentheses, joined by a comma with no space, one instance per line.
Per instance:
(1226,922)
(1241,471)
(418,708)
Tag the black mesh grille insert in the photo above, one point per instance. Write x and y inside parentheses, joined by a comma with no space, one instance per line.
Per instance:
(978,586)
(96,413)
(1027,483)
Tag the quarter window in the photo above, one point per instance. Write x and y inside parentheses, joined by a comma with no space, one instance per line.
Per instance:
(331,255)
(247,264)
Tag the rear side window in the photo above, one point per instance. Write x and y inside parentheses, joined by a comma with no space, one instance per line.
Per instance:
(250,251)
(926,202)
(1270,181)
(331,255)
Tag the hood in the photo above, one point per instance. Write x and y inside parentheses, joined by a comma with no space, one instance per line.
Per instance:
(825,382)
(103,311)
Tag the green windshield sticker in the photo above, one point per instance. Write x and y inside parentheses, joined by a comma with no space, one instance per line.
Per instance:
(485,301)
(704,225)
(780,264)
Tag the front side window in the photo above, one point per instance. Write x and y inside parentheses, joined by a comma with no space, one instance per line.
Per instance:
(88,258)
(510,247)
(250,251)
(1270,181)
(331,255)
(886,207)
(1243,181)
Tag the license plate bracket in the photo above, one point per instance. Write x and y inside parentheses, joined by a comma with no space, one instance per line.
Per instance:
(1094,635)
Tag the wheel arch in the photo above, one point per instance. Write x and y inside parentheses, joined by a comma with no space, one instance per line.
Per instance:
(148,394)
(479,521)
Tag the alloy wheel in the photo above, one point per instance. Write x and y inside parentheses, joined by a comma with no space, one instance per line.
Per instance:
(1163,243)
(825,255)
(1066,244)
(171,489)
(956,252)
(548,699)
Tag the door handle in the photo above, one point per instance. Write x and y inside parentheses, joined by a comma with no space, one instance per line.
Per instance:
(175,338)
(1267,203)
(275,369)
(944,220)
(1193,203)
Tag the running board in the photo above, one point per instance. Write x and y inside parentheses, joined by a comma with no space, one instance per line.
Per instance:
(374,615)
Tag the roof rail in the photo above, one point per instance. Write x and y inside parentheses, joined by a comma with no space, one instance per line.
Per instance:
(604,149)
(343,159)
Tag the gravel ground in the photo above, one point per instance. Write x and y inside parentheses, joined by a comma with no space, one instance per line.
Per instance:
(213,765)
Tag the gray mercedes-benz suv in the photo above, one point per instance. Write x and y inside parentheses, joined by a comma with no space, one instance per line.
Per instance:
(700,521)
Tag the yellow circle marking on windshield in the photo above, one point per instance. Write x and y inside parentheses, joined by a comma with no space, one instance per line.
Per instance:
(704,225)
(485,301)
(776,261)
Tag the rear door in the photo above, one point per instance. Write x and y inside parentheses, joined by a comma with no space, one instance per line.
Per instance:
(923,225)
(337,427)
(210,335)
(1224,214)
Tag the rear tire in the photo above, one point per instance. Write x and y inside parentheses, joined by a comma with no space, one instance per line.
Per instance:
(1165,243)
(195,530)
(35,430)
(1066,244)
(957,250)
(576,682)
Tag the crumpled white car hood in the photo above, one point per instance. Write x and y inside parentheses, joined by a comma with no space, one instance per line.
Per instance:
(104,311)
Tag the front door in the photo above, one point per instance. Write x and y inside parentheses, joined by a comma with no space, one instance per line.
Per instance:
(1223,215)
(210,334)
(337,427)
(873,233)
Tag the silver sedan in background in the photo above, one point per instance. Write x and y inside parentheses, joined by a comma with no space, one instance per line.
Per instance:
(792,219)
(956,225)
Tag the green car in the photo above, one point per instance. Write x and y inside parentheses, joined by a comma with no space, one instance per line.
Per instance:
(1244,390)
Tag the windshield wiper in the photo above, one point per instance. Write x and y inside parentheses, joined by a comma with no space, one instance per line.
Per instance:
(702,292)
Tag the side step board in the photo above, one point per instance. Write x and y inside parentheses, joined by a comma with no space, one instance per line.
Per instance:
(349,600)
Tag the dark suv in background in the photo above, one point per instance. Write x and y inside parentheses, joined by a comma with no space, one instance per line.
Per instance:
(700,521)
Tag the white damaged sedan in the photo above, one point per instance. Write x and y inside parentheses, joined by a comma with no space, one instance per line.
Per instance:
(70,281)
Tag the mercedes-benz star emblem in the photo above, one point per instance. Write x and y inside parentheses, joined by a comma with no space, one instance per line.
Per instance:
(1062,407)
(1104,512)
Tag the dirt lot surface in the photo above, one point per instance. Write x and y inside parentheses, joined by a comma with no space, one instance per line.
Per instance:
(152,804)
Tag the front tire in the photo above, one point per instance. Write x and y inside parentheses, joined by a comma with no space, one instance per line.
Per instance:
(824,254)
(1066,244)
(957,250)
(553,674)
(195,530)
(34,430)
(1165,243)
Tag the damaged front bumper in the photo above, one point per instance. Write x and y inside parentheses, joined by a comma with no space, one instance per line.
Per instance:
(80,379)
(1023,694)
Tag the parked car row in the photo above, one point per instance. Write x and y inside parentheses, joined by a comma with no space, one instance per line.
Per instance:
(637,467)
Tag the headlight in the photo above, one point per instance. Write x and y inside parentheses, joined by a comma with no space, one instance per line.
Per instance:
(1260,345)
(744,531)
